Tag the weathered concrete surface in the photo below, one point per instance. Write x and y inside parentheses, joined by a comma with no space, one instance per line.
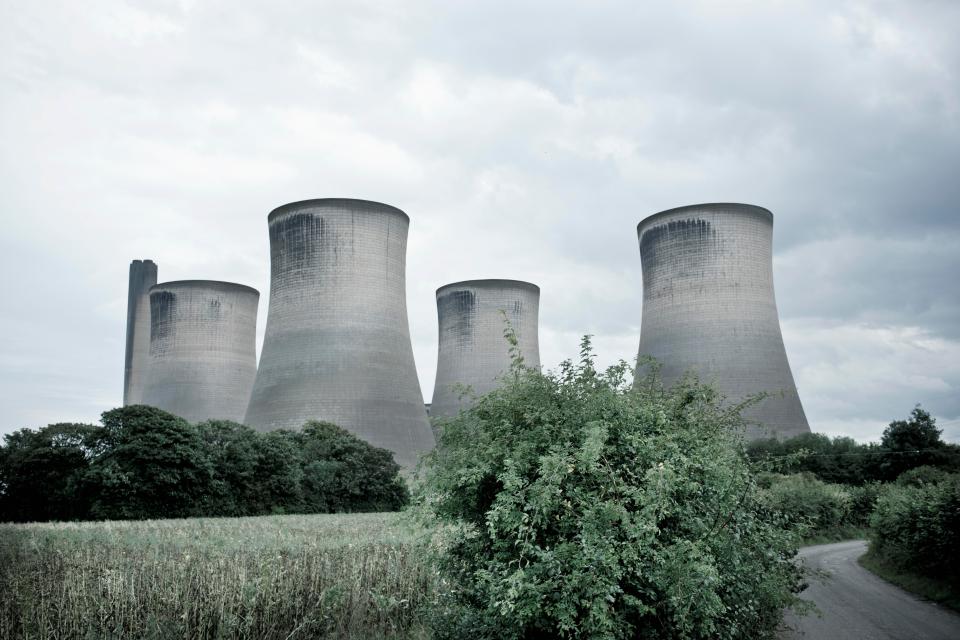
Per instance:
(202,349)
(709,307)
(143,275)
(855,604)
(472,348)
(337,344)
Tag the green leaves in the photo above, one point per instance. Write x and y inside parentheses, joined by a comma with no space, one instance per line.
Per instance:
(147,463)
(587,508)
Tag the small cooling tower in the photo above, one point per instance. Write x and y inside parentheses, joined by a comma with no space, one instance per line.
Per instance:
(709,307)
(337,344)
(202,349)
(143,275)
(472,348)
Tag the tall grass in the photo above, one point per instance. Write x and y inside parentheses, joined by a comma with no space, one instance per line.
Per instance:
(287,577)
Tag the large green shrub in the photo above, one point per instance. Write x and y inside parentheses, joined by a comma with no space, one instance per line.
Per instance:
(816,505)
(917,528)
(584,508)
(820,509)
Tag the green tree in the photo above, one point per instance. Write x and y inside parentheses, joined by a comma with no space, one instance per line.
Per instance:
(233,450)
(918,432)
(341,472)
(584,508)
(839,460)
(912,443)
(40,472)
(279,474)
(153,465)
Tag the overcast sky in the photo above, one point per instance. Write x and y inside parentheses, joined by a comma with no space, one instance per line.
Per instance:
(524,139)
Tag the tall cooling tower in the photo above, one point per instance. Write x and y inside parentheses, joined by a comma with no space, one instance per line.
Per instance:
(202,349)
(143,275)
(473,350)
(709,307)
(337,344)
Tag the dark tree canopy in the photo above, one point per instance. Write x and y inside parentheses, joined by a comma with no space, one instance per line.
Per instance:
(347,474)
(147,463)
(918,432)
(40,471)
(155,464)
(905,445)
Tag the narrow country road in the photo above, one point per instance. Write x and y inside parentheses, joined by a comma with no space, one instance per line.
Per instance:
(857,605)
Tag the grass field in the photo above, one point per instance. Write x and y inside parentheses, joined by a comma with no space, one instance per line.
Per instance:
(342,576)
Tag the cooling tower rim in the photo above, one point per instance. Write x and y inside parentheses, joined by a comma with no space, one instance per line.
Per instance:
(204,284)
(316,202)
(706,207)
(492,282)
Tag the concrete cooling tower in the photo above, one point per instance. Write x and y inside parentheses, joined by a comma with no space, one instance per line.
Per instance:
(473,350)
(202,349)
(337,344)
(143,275)
(709,307)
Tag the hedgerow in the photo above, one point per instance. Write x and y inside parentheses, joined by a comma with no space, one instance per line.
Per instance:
(587,507)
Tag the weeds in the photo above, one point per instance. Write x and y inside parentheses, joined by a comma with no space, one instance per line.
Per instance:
(287,577)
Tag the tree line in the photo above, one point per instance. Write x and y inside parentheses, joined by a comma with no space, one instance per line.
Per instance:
(142,462)
(905,445)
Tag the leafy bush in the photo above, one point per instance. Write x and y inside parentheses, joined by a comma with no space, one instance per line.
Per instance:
(584,508)
(923,476)
(822,510)
(918,528)
(863,500)
(815,505)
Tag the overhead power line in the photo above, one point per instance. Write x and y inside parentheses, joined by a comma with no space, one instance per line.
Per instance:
(864,453)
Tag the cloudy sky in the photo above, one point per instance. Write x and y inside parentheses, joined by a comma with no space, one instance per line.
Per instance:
(525,140)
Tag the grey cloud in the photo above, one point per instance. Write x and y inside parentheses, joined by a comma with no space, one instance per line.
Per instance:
(525,141)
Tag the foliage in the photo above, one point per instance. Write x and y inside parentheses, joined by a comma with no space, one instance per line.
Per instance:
(838,460)
(279,474)
(815,505)
(915,442)
(274,577)
(346,473)
(147,463)
(822,510)
(923,476)
(906,444)
(585,508)
(155,466)
(918,528)
(233,450)
(40,471)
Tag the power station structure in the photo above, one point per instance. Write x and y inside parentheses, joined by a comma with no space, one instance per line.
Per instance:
(337,344)
(473,350)
(709,307)
(202,349)
(143,275)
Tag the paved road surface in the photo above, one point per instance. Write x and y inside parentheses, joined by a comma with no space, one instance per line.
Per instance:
(857,605)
